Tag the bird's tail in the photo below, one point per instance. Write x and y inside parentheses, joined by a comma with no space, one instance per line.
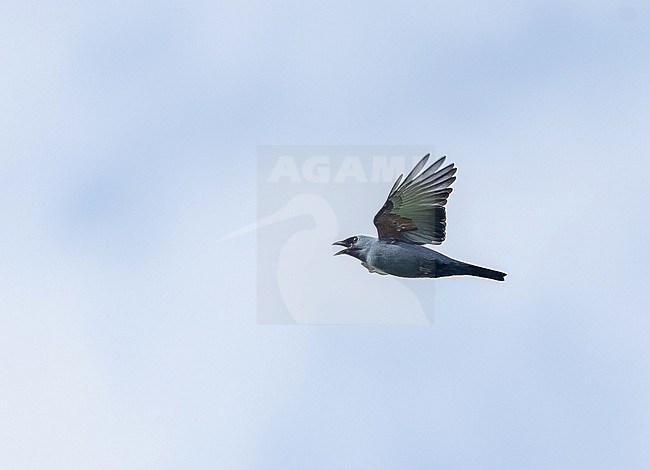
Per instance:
(478,271)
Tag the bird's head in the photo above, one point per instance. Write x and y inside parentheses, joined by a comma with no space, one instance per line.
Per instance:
(356,246)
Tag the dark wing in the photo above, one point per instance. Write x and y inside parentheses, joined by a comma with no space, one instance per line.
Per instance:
(415,209)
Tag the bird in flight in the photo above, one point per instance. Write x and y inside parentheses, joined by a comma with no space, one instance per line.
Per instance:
(412,216)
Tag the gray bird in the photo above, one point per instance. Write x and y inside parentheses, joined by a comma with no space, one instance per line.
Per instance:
(412,216)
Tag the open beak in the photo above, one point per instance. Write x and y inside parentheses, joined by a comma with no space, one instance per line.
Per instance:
(343,251)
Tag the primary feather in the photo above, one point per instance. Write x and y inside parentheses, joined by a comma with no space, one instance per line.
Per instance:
(414,211)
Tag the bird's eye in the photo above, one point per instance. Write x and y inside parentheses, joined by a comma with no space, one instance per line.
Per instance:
(354,240)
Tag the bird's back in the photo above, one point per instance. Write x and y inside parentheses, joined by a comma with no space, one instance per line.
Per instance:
(411,260)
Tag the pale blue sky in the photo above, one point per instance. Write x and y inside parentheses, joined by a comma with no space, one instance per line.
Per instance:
(128,337)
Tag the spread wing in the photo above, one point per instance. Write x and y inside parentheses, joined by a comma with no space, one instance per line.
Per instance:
(415,209)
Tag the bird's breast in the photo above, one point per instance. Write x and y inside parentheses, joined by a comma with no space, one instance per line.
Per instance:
(397,259)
